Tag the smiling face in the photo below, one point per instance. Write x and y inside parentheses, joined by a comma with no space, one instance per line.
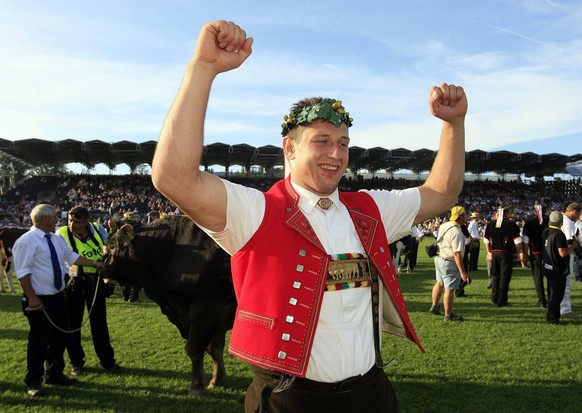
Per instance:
(319,156)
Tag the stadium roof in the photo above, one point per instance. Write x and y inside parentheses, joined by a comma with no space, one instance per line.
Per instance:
(58,153)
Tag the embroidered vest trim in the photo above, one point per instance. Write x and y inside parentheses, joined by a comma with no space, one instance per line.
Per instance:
(280,277)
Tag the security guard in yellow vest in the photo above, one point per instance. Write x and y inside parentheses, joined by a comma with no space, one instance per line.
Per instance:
(87,239)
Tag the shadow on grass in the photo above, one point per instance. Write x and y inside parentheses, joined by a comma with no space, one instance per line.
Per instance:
(13,334)
(416,393)
(11,303)
(134,389)
(432,394)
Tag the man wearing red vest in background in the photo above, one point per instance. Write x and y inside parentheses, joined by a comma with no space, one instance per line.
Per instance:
(311,266)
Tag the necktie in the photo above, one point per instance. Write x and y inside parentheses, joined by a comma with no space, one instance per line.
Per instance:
(56,265)
(324,203)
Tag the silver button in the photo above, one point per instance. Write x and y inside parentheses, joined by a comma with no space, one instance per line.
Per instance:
(300,268)
(297,285)
(282,355)
(286,337)
(302,253)
(382,249)
(293,301)
(289,319)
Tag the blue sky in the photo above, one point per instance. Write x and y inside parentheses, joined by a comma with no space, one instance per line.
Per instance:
(109,70)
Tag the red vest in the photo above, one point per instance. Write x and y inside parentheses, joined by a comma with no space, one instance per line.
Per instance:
(279,280)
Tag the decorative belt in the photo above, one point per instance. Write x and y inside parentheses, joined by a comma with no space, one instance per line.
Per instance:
(348,271)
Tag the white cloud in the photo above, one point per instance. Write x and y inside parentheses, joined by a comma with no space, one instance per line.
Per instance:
(85,72)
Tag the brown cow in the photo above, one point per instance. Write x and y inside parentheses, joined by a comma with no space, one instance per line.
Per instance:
(8,237)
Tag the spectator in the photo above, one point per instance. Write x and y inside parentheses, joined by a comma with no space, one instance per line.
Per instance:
(504,242)
(534,247)
(556,264)
(130,293)
(474,242)
(39,258)
(153,216)
(460,291)
(571,215)
(578,251)
(411,258)
(449,267)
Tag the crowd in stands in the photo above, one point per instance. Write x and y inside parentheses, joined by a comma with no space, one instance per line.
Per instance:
(105,195)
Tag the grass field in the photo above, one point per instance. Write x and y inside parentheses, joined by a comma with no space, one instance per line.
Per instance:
(499,359)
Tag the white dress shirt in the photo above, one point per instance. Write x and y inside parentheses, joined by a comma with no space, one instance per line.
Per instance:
(343,344)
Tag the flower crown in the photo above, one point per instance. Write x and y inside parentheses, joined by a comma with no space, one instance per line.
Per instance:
(329,110)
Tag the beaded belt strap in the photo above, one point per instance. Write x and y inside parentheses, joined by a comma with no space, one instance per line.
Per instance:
(348,271)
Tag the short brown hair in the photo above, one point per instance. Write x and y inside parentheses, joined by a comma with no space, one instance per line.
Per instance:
(79,212)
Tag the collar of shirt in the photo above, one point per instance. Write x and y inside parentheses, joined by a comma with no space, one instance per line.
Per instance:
(308,200)
(39,232)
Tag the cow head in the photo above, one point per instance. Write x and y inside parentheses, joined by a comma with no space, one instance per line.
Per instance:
(120,259)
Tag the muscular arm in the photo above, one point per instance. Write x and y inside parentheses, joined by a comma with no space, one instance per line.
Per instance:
(221,46)
(459,261)
(445,181)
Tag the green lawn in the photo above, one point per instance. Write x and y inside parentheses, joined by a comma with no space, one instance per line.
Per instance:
(499,359)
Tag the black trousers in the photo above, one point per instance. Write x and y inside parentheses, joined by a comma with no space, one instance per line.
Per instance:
(501,271)
(80,294)
(45,342)
(556,290)
(535,261)
(474,248)
(370,393)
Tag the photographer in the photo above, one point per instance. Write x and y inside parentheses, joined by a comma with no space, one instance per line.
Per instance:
(87,239)
(449,267)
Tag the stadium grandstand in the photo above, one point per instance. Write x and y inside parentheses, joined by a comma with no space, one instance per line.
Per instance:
(374,168)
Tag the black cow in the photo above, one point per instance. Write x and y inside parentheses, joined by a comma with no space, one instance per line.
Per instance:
(188,276)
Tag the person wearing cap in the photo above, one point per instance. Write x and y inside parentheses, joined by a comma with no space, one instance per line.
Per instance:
(87,289)
(556,264)
(448,263)
(533,246)
(571,215)
(474,242)
(503,243)
(311,265)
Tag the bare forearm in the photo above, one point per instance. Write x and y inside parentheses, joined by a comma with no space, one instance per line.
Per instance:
(85,262)
(26,285)
(179,150)
(448,171)
(459,261)
(447,175)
